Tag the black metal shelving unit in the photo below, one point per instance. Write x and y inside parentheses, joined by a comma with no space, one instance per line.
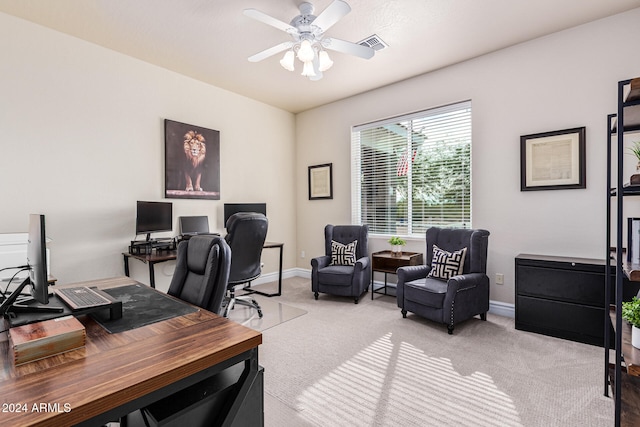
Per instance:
(625,121)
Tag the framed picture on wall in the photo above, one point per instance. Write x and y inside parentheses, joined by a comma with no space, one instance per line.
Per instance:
(553,160)
(321,181)
(192,161)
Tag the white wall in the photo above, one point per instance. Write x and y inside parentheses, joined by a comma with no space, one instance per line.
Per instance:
(81,137)
(81,131)
(562,81)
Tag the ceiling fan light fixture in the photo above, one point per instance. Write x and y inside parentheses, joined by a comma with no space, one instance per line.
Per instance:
(288,60)
(309,38)
(306,52)
(308,70)
(325,61)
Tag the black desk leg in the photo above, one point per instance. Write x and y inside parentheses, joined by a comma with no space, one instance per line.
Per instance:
(126,265)
(280,273)
(152,277)
(275,294)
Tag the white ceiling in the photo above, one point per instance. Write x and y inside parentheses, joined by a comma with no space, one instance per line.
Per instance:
(210,40)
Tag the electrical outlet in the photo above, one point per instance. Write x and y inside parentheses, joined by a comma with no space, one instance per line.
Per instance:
(301,254)
(499,279)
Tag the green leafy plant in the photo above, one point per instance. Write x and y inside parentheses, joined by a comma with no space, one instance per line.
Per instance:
(396,241)
(631,311)
(635,149)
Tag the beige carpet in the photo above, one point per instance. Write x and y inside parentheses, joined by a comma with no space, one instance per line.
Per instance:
(343,364)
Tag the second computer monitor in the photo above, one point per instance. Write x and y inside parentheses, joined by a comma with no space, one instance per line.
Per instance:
(232,208)
(192,225)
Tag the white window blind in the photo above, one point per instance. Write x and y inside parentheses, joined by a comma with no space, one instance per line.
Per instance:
(413,172)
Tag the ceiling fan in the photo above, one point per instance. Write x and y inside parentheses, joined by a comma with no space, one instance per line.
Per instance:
(309,41)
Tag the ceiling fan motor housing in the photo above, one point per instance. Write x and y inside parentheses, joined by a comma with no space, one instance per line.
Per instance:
(303,21)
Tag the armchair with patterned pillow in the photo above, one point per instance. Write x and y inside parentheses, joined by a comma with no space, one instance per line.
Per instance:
(345,269)
(453,285)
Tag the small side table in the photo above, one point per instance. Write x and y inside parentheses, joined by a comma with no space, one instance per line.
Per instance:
(385,262)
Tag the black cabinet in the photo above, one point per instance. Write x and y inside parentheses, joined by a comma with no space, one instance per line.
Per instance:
(562,297)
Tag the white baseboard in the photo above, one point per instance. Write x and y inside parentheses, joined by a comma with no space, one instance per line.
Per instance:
(495,307)
(502,309)
(286,274)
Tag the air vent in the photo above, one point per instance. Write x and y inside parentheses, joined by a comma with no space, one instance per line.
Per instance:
(374,42)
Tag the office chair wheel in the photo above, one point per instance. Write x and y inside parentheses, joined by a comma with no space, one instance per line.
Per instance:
(257,306)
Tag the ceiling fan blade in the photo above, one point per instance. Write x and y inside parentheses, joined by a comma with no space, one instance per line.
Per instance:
(270,52)
(348,47)
(332,14)
(269,20)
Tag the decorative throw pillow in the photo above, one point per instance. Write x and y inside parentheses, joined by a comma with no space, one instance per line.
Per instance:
(343,254)
(445,265)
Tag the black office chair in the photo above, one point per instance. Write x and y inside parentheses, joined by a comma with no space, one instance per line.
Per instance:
(200,278)
(202,272)
(246,233)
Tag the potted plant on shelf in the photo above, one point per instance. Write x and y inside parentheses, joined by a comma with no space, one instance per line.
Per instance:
(635,150)
(396,245)
(631,313)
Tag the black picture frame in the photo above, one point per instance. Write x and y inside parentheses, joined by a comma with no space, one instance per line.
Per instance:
(320,178)
(186,176)
(553,160)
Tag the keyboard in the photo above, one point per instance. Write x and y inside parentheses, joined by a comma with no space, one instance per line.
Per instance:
(82,297)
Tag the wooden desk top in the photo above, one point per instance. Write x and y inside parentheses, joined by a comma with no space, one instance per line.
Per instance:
(171,255)
(154,256)
(114,369)
(272,245)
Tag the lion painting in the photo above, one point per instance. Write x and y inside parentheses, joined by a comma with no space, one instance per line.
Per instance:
(195,151)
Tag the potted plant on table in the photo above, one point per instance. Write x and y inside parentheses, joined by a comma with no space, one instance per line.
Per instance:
(631,313)
(396,245)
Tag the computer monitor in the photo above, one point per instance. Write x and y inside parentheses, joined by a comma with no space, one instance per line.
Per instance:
(37,259)
(37,264)
(192,225)
(232,208)
(153,217)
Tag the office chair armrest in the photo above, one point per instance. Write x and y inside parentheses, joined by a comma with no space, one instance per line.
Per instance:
(413,272)
(320,262)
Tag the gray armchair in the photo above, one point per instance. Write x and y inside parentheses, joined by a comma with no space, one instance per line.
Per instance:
(437,290)
(349,272)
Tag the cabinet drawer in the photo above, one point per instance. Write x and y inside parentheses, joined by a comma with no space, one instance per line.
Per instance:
(582,287)
(561,319)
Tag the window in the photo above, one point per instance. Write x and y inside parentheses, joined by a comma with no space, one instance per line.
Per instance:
(413,172)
